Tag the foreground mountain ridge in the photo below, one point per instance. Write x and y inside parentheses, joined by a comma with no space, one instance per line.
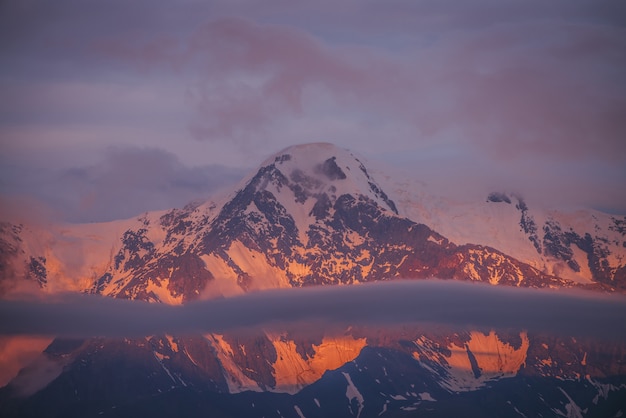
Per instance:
(315,215)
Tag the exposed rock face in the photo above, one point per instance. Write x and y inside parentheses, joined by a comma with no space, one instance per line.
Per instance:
(470,365)
(498,197)
(597,249)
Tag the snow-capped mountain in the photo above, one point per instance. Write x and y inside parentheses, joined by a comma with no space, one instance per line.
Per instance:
(584,246)
(311,215)
(315,215)
(58,257)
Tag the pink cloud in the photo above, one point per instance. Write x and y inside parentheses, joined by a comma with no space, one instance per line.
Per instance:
(513,86)
(525,101)
(254,72)
(523,82)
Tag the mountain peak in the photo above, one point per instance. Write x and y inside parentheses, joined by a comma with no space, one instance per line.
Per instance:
(319,159)
(323,168)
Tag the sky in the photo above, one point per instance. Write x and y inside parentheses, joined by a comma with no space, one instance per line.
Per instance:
(109,109)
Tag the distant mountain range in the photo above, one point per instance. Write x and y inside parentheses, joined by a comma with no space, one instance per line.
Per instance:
(315,215)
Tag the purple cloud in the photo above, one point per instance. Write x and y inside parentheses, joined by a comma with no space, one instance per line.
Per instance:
(507,85)
(449,303)
(124,183)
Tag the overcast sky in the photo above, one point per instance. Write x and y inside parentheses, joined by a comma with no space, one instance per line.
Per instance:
(102,99)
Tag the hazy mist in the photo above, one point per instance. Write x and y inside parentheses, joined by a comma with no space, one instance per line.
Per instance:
(450,303)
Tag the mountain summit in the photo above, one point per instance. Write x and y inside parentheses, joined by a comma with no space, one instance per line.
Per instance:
(322,169)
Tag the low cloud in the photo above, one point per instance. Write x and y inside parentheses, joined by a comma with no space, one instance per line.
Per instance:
(124,183)
(455,304)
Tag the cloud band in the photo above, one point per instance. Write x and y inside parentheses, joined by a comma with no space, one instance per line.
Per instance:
(455,304)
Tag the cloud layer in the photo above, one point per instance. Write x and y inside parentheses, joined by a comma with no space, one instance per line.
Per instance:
(124,183)
(455,304)
(489,90)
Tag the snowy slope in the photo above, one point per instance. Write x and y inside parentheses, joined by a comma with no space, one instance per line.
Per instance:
(584,246)
(57,257)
